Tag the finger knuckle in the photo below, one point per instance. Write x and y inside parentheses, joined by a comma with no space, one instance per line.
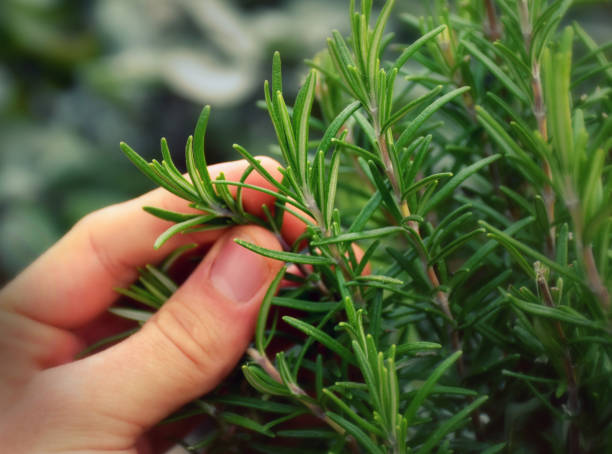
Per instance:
(193,339)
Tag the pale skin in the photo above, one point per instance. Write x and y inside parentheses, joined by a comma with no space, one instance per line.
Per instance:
(110,402)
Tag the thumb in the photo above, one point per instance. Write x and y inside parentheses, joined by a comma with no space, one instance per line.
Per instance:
(190,344)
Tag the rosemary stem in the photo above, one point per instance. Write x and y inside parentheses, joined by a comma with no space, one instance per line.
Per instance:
(264,362)
(573,401)
(539,111)
(493,31)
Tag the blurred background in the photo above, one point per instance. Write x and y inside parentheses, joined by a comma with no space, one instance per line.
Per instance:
(77,77)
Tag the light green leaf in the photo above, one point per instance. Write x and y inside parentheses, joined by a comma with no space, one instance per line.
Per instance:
(264,309)
(356,432)
(322,337)
(356,236)
(336,124)
(131,314)
(198,150)
(415,46)
(182,226)
(408,134)
(262,382)
(291,257)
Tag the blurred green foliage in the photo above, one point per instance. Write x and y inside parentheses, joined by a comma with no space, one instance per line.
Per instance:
(78,77)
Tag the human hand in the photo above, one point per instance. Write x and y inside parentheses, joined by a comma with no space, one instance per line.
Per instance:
(108,402)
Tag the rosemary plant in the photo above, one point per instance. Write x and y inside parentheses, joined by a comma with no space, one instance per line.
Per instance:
(472,168)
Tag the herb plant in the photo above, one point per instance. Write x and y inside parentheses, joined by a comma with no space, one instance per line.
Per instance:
(472,168)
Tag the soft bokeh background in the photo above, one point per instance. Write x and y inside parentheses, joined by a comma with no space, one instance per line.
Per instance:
(77,77)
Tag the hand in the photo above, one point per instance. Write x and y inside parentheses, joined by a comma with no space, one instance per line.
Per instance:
(108,402)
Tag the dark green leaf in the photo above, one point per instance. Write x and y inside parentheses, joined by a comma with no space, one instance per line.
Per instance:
(456,180)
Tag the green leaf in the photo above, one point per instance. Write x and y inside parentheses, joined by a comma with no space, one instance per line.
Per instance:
(291,257)
(281,197)
(167,158)
(106,341)
(289,134)
(240,400)
(302,305)
(264,309)
(556,69)
(169,215)
(198,150)
(301,115)
(277,77)
(416,346)
(368,209)
(177,181)
(243,421)
(449,425)
(262,382)
(142,296)
(499,447)
(408,134)
(424,182)
(356,236)
(420,149)
(375,40)
(509,145)
(169,285)
(426,388)
(336,124)
(361,422)
(415,46)
(497,71)
(181,227)
(322,337)
(411,105)
(278,126)
(131,314)
(554,313)
(455,181)
(140,163)
(383,188)
(307,433)
(370,278)
(332,185)
(356,432)
(454,245)
(531,252)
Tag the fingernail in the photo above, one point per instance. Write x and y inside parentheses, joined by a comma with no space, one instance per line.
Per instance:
(237,272)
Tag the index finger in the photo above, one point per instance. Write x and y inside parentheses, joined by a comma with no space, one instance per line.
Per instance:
(73,281)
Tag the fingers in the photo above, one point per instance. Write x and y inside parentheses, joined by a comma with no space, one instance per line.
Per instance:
(26,347)
(73,281)
(187,348)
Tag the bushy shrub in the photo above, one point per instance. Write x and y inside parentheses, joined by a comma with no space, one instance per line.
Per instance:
(472,168)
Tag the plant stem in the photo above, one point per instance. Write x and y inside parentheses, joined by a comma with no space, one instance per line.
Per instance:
(586,252)
(539,111)
(264,362)
(493,31)
(595,281)
(441,296)
(301,267)
(573,400)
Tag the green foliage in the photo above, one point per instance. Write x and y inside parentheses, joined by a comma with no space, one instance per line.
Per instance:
(484,323)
